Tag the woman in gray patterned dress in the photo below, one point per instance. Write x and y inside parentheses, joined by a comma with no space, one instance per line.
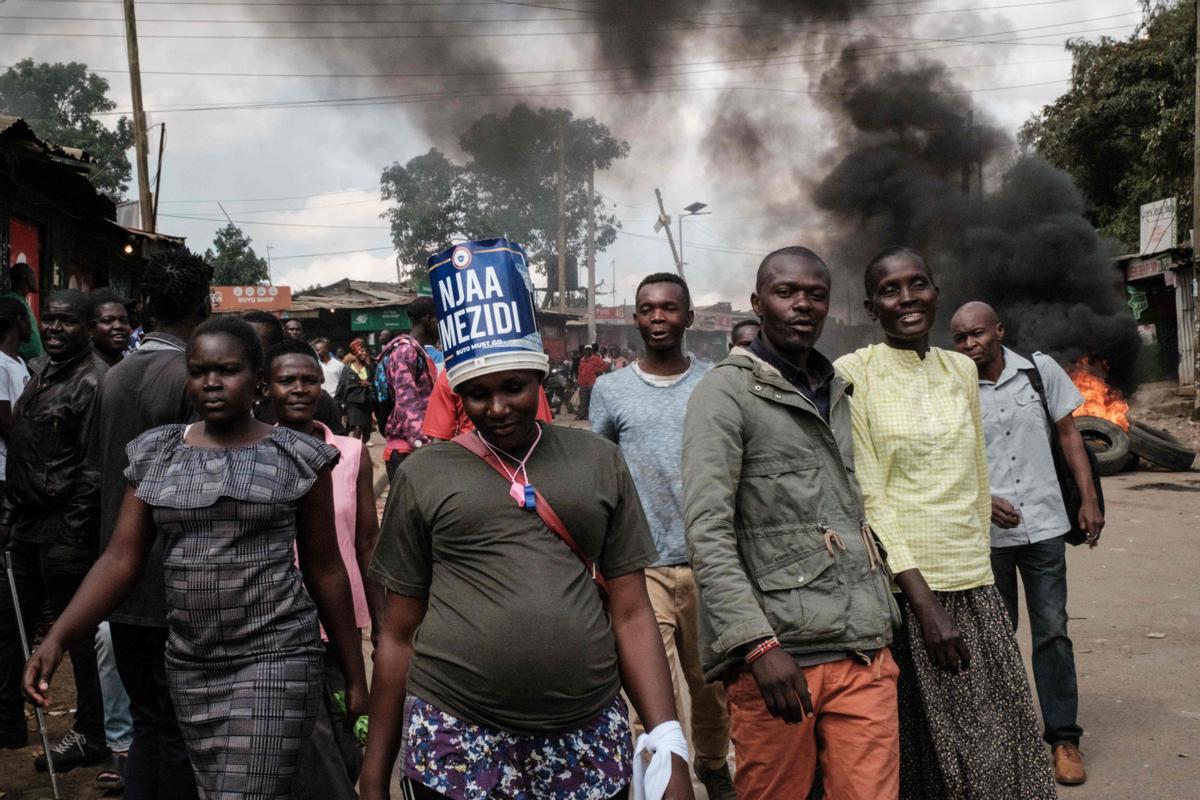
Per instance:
(232,496)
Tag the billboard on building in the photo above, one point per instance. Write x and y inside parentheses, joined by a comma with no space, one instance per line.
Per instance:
(1157,226)
(226,299)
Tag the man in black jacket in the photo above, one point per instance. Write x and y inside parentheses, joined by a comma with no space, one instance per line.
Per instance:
(51,515)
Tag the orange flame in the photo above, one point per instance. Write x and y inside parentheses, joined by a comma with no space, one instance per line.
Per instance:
(1099,399)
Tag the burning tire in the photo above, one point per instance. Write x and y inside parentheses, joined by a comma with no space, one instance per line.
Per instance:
(1107,440)
(1161,448)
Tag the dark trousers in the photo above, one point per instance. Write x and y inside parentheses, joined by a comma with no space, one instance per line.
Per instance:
(1043,568)
(158,767)
(393,463)
(47,574)
(585,401)
(332,758)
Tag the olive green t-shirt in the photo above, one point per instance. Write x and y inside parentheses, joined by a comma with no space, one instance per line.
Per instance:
(516,637)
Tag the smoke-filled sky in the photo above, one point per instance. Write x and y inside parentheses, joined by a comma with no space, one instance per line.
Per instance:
(746,106)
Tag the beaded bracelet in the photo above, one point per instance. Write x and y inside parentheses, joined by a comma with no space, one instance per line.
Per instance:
(761,649)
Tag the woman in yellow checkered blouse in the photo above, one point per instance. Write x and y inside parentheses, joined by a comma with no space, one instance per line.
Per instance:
(967,724)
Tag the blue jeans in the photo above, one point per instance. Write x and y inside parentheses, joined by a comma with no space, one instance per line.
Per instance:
(118,724)
(1043,568)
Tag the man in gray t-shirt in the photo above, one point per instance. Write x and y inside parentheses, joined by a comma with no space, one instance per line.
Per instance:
(1029,519)
(641,408)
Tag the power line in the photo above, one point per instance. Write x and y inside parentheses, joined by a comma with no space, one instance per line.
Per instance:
(711,248)
(719,65)
(294,209)
(521,90)
(492,20)
(348,3)
(289,3)
(334,253)
(492,35)
(278,224)
(273,199)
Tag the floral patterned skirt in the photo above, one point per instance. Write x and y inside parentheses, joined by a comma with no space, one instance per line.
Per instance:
(974,735)
(464,761)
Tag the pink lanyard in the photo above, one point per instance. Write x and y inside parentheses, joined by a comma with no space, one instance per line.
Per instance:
(523,493)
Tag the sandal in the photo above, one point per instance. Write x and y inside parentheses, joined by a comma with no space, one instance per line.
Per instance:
(111,778)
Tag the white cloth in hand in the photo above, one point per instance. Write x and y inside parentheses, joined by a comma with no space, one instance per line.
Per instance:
(650,783)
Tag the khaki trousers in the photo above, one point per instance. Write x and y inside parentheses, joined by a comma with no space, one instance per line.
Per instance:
(675,600)
(855,732)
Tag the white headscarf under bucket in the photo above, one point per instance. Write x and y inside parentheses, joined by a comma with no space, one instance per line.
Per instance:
(497,362)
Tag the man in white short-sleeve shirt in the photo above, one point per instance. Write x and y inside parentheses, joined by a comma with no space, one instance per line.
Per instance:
(1029,518)
(14,331)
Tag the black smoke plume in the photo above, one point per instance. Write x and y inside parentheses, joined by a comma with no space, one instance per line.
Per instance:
(896,157)
(909,161)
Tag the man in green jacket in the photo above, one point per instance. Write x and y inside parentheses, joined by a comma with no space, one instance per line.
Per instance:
(23,283)
(796,608)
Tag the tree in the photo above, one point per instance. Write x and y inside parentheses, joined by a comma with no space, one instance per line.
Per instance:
(514,167)
(430,210)
(507,187)
(1124,130)
(234,261)
(60,102)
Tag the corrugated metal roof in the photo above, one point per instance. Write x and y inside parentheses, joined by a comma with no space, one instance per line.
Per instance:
(152,236)
(15,127)
(350,294)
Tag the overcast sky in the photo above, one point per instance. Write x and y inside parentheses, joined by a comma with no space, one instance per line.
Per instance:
(303,180)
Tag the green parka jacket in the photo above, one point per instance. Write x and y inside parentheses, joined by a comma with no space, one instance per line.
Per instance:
(776,531)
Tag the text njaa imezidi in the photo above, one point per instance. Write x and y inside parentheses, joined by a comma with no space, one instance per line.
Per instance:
(480,320)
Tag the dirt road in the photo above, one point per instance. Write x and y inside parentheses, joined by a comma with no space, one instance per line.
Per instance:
(1135,621)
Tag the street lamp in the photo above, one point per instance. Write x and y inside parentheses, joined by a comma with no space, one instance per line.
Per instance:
(693,210)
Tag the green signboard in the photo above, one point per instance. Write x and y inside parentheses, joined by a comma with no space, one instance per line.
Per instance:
(376,319)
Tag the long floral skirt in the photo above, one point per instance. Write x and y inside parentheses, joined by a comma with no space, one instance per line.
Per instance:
(974,735)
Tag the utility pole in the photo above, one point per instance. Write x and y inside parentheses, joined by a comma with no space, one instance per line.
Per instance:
(664,223)
(162,143)
(140,145)
(561,186)
(1196,233)
(591,252)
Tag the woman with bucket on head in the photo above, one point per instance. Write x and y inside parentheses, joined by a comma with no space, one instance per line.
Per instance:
(523,573)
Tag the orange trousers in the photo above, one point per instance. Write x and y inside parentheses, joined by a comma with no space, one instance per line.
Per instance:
(854,731)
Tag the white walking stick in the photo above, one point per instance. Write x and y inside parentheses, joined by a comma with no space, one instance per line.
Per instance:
(41,718)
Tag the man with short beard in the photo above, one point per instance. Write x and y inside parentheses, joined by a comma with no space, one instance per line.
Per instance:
(51,511)
(641,408)
(796,613)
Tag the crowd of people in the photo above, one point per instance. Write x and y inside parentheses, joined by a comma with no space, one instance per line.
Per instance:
(803,564)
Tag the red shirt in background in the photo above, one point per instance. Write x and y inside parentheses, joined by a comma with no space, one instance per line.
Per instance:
(445,417)
(590,368)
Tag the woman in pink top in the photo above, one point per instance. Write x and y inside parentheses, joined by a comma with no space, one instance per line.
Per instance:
(331,762)
(291,370)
